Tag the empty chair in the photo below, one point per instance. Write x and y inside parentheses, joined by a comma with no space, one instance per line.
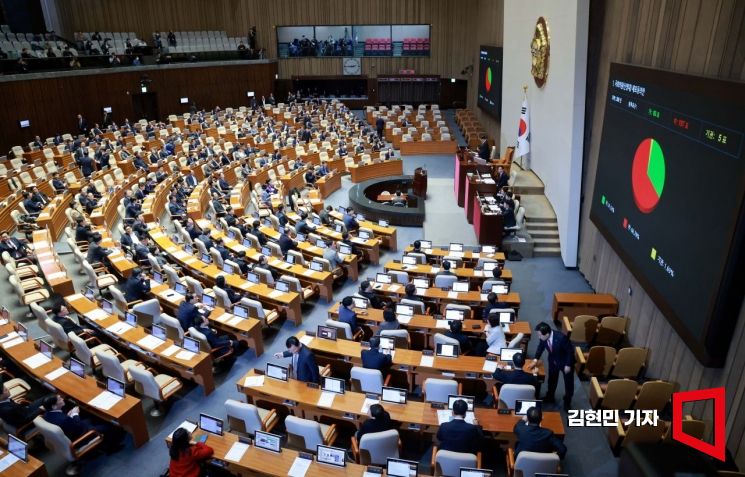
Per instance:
(308,435)
(531,463)
(120,302)
(611,331)
(344,331)
(159,388)
(448,463)
(616,394)
(266,318)
(111,366)
(400,277)
(147,313)
(418,305)
(100,280)
(56,440)
(597,362)
(654,395)
(367,380)
(246,418)
(693,427)
(59,337)
(621,436)
(582,329)
(438,390)
(173,328)
(445,281)
(376,447)
(629,363)
(88,355)
(509,393)
(400,337)
(297,287)
(420,257)
(195,286)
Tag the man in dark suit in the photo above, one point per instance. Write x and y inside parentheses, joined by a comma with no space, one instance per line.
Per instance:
(188,314)
(445,269)
(255,229)
(379,421)
(347,314)
(484,149)
(191,180)
(508,215)
(82,124)
(501,178)
(61,316)
(57,183)
(206,238)
(492,302)
(74,427)
(517,375)
(373,359)
(174,208)
(96,253)
(380,126)
(456,333)
(217,342)
(285,242)
(32,207)
(127,240)
(304,367)
(560,360)
(137,286)
(86,165)
(13,246)
(366,290)
(15,414)
(458,435)
(531,437)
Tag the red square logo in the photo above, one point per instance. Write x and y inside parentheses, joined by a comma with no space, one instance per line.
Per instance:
(716,450)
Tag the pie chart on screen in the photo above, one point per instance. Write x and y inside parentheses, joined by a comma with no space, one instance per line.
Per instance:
(648,175)
(488,79)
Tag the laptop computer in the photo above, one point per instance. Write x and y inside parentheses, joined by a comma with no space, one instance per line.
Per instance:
(45,349)
(401,468)
(523,405)
(107,306)
(211,424)
(277,372)
(454,397)
(282,286)
(180,288)
(452,314)
(331,456)
(447,350)
(190,344)
(460,287)
(267,441)
(421,282)
(326,332)
(506,354)
(159,332)
(383,278)
(240,311)
(393,395)
(345,249)
(425,244)
(470,472)
(77,368)
(333,385)
(115,386)
(130,319)
(18,448)
(456,247)
(360,303)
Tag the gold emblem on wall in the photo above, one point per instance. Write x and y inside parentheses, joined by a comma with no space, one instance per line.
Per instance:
(540,50)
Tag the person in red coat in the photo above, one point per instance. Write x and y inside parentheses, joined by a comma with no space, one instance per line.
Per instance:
(187,459)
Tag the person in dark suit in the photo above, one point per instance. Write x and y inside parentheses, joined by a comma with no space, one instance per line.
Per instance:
(492,302)
(347,314)
(13,246)
(61,316)
(86,165)
(484,149)
(96,253)
(445,269)
(458,435)
(74,426)
(232,295)
(350,222)
(188,314)
(82,230)
(15,414)
(379,421)
(255,230)
(508,215)
(456,333)
(380,127)
(517,375)
(366,290)
(191,180)
(82,124)
(531,437)
(137,286)
(206,238)
(57,183)
(560,360)
(304,367)
(501,178)
(217,342)
(285,242)
(373,359)
(32,207)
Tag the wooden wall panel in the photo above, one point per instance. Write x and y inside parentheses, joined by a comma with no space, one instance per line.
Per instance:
(53,103)
(705,37)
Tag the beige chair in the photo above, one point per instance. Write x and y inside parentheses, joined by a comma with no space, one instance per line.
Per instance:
(448,463)
(527,464)
(304,434)
(597,362)
(376,447)
(654,395)
(246,419)
(101,280)
(611,330)
(621,436)
(71,451)
(159,387)
(582,329)
(86,355)
(111,366)
(629,363)
(616,394)
(365,380)
(438,390)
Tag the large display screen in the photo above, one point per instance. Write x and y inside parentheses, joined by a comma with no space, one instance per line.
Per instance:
(353,41)
(490,80)
(669,193)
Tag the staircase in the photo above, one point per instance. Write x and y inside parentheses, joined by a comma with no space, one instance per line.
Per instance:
(540,218)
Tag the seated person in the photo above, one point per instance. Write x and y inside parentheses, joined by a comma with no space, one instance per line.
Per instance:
(137,286)
(61,316)
(347,314)
(15,248)
(456,332)
(232,295)
(379,421)
(445,269)
(74,426)
(331,254)
(366,290)
(17,414)
(517,375)
(492,303)
(373,358)
(458,435)
(96,253)
(217,342)
(187,459)
(390,322)
(495,339)
(188,312)
(532,437)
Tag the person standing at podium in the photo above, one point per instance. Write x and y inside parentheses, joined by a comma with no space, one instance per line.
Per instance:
(484,149)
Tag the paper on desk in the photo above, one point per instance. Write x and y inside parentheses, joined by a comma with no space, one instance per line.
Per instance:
(245,285)
(150,342)
(394,288)
(185,355)
(427,361)
(456,254)
(299,467)
(224,317)
(189,426)
(277,293)
(10,336)
(7,461)
(13,342)
(306,340)
(483,296)
(326,399)
(475,254)
(478,273)
(452,294)
(97,314)
(236,451)
(56,275)
(119,328)
(55,374)
(74,297)
(427,251)
(366,405)
(3,321)
(254,381)
(443,324)
(106,400)
(170,350)
(357,240)
(307,273)
(235,321)
(490,366)
(445,415)
(403,319)
(36,360)
(434,269)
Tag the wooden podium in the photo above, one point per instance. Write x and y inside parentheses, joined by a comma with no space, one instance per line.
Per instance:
(420,182)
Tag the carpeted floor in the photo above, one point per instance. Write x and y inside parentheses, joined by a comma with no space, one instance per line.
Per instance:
(535,279)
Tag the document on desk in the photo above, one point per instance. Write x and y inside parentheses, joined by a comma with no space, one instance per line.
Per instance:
(394,288)
(326,399)
(357,240)
(452,295)
(434,270)
(97,314)
(366,405)
(277,293)
(489,366)
(254,381)
(306,340)
(307,273)
(483,296)
(427,361)
(56,275)
(170,350)
(236,452)
(119,328)
(150,342)
(224,317)
(106,400)
(9,336)
(403,319)
(36,360)
(7,461)
(13,342)
(188,425)
(478,273)
(185,355)
(235,321)
(443,324)
(299,467)
(456,254)
(55,374)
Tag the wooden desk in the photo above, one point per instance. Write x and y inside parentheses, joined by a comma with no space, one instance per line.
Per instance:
(247,330)
(197,369)
(389,197)
(474,277)
(387,234)
(328,184)
(436,254)
(475,185)
(573,304)
(106,213)
(392,167)
(127,413)
(293,180)
(33,468)
(53,216)
(488,225)
(287,302)
(262,462)
(474,299)
(50,265)
(410,148)
(371,245)
(463,165)
(348,406)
